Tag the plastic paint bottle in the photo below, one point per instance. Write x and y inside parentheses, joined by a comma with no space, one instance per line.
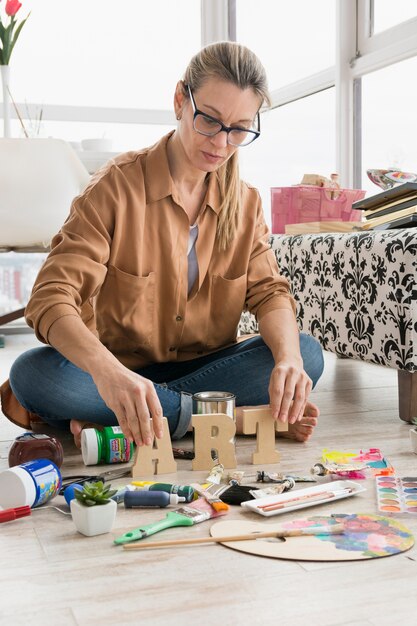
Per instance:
(119,496)
(69,492)
(150,498)
(105,446)
(184,491)
(30,484)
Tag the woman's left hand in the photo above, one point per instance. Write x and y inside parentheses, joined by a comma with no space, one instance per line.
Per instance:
(289,389)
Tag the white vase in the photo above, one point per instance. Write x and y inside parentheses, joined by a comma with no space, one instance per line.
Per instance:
(413,439)
(93,520)
(5,80)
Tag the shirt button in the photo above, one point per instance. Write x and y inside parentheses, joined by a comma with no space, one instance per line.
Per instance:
(172,349)
(178,318)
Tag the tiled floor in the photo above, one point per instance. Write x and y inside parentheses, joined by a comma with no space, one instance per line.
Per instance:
(51,575)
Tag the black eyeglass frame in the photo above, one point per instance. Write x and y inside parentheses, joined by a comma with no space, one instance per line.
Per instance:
(223,127)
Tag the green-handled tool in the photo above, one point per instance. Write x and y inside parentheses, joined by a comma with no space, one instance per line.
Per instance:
(170,521)
(197,511)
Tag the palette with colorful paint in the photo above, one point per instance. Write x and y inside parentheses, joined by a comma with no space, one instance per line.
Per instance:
(371,459)
(365,536)
(397,495)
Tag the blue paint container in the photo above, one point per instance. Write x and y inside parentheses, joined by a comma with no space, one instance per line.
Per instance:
(69,492)
(30,484)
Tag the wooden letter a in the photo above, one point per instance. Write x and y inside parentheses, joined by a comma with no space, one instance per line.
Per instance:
(156,458)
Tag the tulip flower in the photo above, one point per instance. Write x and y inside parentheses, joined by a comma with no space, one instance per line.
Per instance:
(9,32)
(12,7)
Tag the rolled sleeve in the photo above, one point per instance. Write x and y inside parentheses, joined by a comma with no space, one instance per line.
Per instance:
(280,302)
(51,315)
(73,271)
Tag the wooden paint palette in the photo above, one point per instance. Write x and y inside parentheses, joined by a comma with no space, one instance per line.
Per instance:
(365,537)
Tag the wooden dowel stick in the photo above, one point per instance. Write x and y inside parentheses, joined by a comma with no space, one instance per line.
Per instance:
(18,114)
(335,529)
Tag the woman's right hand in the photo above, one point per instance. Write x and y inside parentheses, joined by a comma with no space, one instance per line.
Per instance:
(131,397)
(133,400)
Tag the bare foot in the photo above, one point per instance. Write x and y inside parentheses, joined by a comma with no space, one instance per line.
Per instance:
(76,427)
(300,431)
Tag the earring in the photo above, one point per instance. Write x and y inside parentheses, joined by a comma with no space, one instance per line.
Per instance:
(178,117)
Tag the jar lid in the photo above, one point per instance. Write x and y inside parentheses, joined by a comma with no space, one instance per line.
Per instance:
(89,446)
(17,488)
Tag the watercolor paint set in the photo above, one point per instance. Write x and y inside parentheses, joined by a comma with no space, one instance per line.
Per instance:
(397,495)
(302,498)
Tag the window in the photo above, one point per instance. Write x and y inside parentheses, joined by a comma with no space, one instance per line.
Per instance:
(296,139)
(17,275)
(292,40)
(103,52)
(388,14)
(389,132)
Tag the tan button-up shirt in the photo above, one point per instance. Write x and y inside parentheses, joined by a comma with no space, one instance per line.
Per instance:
(120,262)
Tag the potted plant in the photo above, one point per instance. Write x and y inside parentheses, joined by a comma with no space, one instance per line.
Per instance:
(413,435)
(92,509)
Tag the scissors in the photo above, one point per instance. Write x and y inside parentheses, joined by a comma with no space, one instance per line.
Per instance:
(80,479)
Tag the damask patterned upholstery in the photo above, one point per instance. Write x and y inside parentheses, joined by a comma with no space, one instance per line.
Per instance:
(357,294)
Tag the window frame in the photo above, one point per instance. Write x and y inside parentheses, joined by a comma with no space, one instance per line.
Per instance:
(358,52)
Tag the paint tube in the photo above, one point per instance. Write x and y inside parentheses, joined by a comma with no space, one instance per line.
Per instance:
(302,479)
(273,490)
(235,478)
(216,474)
(324,469)
(269,477)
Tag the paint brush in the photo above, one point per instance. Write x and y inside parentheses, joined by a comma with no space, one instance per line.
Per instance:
(194,513)
(211,497)
(334,529)
(313,497)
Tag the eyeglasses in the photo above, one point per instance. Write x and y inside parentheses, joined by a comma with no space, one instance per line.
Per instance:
(210,126)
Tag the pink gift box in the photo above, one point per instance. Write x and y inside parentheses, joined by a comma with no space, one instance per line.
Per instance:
(308,203)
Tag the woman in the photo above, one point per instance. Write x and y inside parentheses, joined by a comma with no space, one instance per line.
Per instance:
(141,294)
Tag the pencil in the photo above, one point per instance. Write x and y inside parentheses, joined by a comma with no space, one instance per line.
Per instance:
(311,497)
(334,529)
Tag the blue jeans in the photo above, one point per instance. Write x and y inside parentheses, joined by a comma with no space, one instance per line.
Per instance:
(49,385)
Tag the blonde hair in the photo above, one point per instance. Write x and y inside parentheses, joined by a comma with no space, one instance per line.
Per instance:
(232,62)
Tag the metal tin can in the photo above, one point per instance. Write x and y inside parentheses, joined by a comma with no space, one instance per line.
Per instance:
(214,402)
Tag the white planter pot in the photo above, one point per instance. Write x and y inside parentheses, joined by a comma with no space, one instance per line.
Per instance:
(413,439)
(93,520)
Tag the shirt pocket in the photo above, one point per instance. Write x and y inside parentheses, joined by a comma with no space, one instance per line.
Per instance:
(227,301)
(126,307)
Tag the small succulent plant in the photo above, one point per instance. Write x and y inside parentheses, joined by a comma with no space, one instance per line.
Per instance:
(94,493)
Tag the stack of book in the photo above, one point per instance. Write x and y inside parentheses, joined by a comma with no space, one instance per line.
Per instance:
(393,208)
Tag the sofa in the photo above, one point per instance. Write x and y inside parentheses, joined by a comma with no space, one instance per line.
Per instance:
(357,294)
